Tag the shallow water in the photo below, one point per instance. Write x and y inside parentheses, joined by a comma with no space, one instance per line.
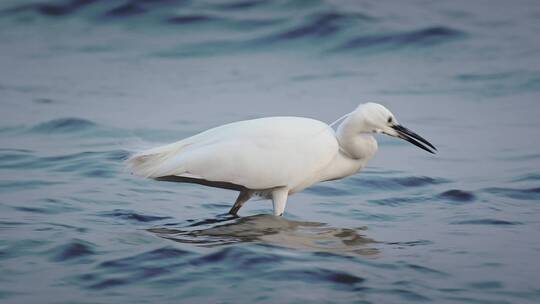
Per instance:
(84,83)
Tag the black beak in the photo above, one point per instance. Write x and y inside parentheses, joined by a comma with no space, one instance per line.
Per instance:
(414,138)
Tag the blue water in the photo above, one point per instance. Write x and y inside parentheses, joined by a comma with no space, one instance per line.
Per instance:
(84,83)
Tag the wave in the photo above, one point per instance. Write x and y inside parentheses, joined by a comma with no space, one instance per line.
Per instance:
(48,206)
(89,163)
(528,177)
(73,250)
(197,21)
(133,216)
(116,8)
(63,125)
(516,193)
(327,36)
(327,191)
(398,201)
(375,183)
(141,258)
(192,19)
(24,185)
(137,268)
(74,7)
(417,38)
(52,9)
(488,221)
(320,27)
(241,5)
(456,195)
(318,275)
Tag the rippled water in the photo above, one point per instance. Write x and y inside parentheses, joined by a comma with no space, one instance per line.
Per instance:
(85,82)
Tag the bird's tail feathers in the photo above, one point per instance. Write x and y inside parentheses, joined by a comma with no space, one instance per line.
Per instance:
(148,163)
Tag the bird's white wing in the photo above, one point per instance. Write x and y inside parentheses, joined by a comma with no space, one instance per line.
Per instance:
(257,154)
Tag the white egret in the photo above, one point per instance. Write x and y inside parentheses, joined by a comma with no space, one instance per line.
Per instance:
(274,157)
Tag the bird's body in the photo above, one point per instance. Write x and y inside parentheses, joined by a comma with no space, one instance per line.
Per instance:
(273,156)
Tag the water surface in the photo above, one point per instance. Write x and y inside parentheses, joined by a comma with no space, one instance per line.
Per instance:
(84,83)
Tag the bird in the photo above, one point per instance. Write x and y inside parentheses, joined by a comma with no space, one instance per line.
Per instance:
(274,157)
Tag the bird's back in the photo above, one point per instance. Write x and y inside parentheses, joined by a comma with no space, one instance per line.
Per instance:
(257,154)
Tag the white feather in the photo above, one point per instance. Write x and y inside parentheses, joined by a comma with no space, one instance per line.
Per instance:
(258,154)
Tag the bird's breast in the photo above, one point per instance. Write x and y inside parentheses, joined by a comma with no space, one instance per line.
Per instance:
(340,167)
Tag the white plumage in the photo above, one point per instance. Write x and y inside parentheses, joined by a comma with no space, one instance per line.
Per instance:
(275,156)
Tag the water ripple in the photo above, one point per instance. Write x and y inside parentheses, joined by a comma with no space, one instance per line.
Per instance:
(398,201)
(528,177)
(337,279)
(141,259)
(486,285)
(412,243)
(191,19)
(422,37)
(133,216)
(238,257)
(212,21)
(9,186)
(519,194)
(52,9)
(241,5)
(375,182)
(424,269)
(49,206)
(320,25)
(63,125)
(327,191)
(74,225)
(488,221)
(89,163)
(136,268)
(456,195)
(335,30)
(73,250)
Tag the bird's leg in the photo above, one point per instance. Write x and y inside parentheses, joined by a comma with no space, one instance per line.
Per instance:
(243,197)
(279,199)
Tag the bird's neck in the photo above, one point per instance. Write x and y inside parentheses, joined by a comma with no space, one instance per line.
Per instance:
(355,141)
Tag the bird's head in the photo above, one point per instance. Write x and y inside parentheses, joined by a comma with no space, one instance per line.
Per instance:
(373,117)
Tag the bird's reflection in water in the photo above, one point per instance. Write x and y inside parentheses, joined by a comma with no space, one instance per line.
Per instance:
(268,229)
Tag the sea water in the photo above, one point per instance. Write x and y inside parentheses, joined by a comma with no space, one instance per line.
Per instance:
(84,83)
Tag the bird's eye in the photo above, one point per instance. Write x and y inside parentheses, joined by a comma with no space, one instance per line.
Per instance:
(390,119)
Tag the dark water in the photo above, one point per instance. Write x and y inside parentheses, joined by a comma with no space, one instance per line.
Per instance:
(83,83)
